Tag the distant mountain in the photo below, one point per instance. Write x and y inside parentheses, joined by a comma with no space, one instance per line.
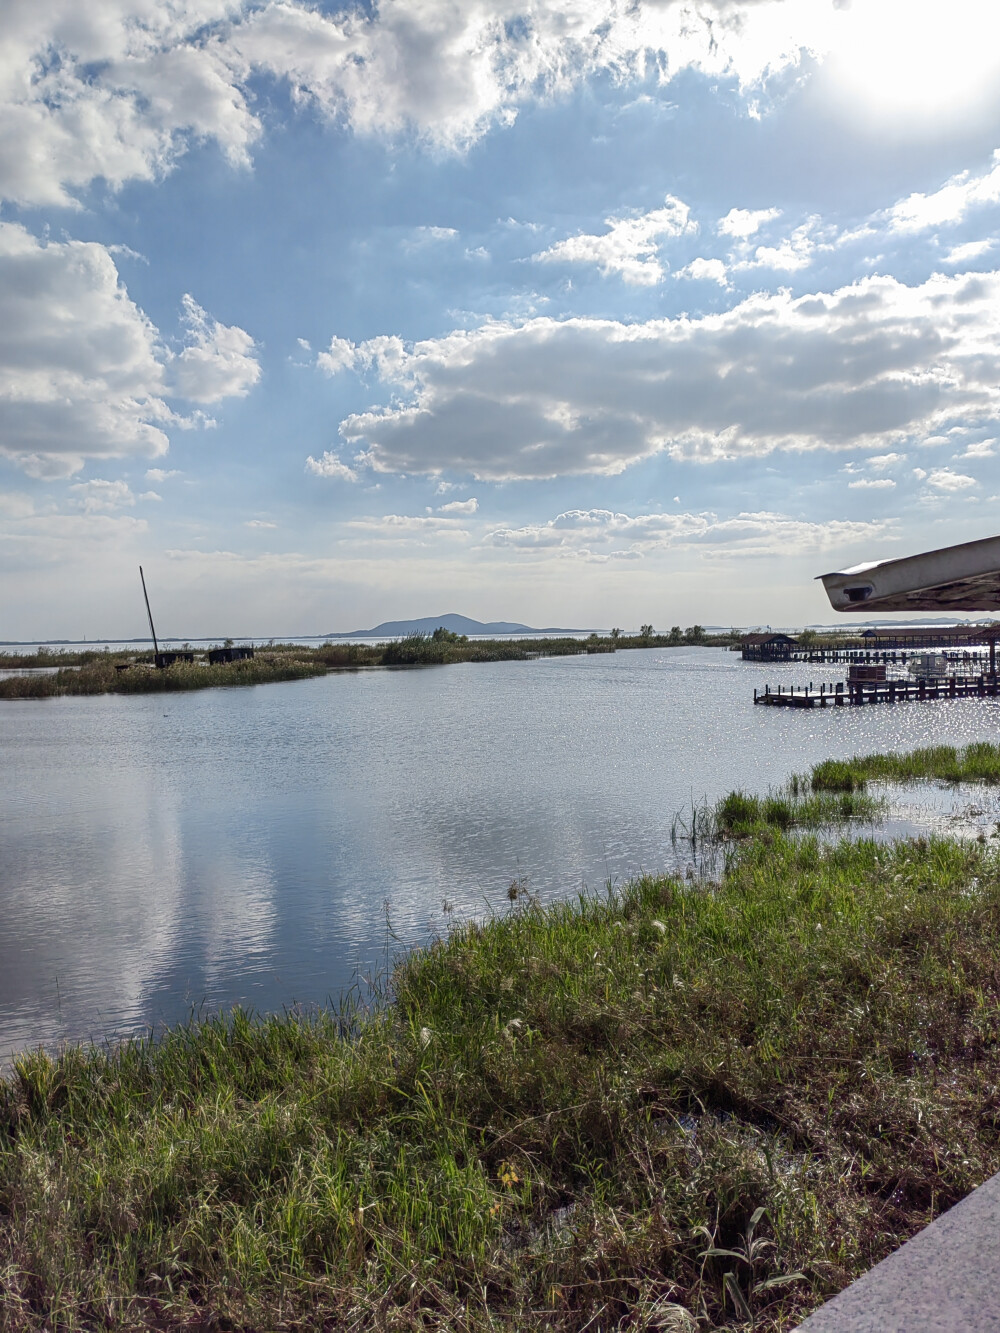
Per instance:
(390,629)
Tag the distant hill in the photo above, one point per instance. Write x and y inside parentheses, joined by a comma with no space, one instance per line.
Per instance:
(457,624)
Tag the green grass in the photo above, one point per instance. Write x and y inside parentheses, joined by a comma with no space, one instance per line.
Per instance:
(974,763)
(740,815)
(103,677)
(672,1098)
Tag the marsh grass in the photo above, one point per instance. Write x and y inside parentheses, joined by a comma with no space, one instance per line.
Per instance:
(292,661)
(724,1099)
(101,676)
(975,763)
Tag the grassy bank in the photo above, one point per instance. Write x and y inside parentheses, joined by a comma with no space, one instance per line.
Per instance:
(672,1107)
(98,672)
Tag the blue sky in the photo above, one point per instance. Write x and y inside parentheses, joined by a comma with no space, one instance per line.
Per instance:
(552,310)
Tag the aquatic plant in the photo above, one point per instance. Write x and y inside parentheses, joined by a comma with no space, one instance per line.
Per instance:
(979,762)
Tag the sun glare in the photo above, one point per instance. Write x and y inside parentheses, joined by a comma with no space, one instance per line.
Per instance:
(916,58)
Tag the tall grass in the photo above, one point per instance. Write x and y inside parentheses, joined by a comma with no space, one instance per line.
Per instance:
(103,677)
(975,763)
(660,1104)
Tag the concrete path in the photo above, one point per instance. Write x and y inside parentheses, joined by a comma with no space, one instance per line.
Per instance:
(945,1280)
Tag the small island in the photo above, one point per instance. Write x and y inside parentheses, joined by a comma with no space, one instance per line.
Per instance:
(49,674)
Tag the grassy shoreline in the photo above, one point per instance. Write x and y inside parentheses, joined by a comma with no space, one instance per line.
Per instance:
(662,1107)
(94,672)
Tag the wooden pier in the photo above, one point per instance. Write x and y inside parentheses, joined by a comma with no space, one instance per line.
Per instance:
(853,694)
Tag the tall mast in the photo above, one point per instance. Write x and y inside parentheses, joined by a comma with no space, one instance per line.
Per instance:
(156,646)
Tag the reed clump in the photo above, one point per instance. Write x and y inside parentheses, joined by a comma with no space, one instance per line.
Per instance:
(103,676)
(670,1102)
(979,762)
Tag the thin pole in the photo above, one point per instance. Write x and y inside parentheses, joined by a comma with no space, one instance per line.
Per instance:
(156,646)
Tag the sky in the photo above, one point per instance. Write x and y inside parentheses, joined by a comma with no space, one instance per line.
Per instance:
(569,312)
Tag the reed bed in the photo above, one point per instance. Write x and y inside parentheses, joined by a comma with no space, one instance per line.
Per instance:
(103,676)
(666,1106)
(944,763)
(98,672)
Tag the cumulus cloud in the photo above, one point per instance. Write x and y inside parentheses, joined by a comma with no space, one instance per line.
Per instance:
(113,91)
(962,254)
(83,372)
(948,205)
(944,479)
(448,71)
(791,253)
(95,497)
(711,270)
(979,449)
(218,361)
(117,90)
(329,465)
(871,484)
(629,247)
(744,222)
(751,533)
(879,462)
(867,365)
(460,506)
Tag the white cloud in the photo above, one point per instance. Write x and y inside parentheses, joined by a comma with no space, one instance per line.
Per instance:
(116,90)
(340,356)
(259,523)
(427,235)
(95,497)
(151,495)
(711,270)
(111,90)
(744,222)
(83,371)
(944,479)
(979,449)
(790,254)
(756,533)
(329,465)
(871,484)
(949,204)
(460,507)
(868,365)
(879,462)
(629,247)
(80,364)
(217,362)
(159,474)
(409,527)
(448,71)
(961,254)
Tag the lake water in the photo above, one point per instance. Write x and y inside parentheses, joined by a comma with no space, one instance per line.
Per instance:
(164,852)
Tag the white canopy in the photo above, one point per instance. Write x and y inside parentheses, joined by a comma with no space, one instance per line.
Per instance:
(955,578)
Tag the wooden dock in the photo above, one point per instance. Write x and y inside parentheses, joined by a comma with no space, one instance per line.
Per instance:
(854,694)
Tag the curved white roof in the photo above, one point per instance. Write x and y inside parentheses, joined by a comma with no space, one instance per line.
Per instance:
(954,578)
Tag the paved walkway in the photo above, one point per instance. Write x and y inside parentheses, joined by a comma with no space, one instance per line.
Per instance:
(945,1280)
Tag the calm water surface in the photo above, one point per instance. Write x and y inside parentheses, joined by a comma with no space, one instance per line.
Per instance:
(163,852)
